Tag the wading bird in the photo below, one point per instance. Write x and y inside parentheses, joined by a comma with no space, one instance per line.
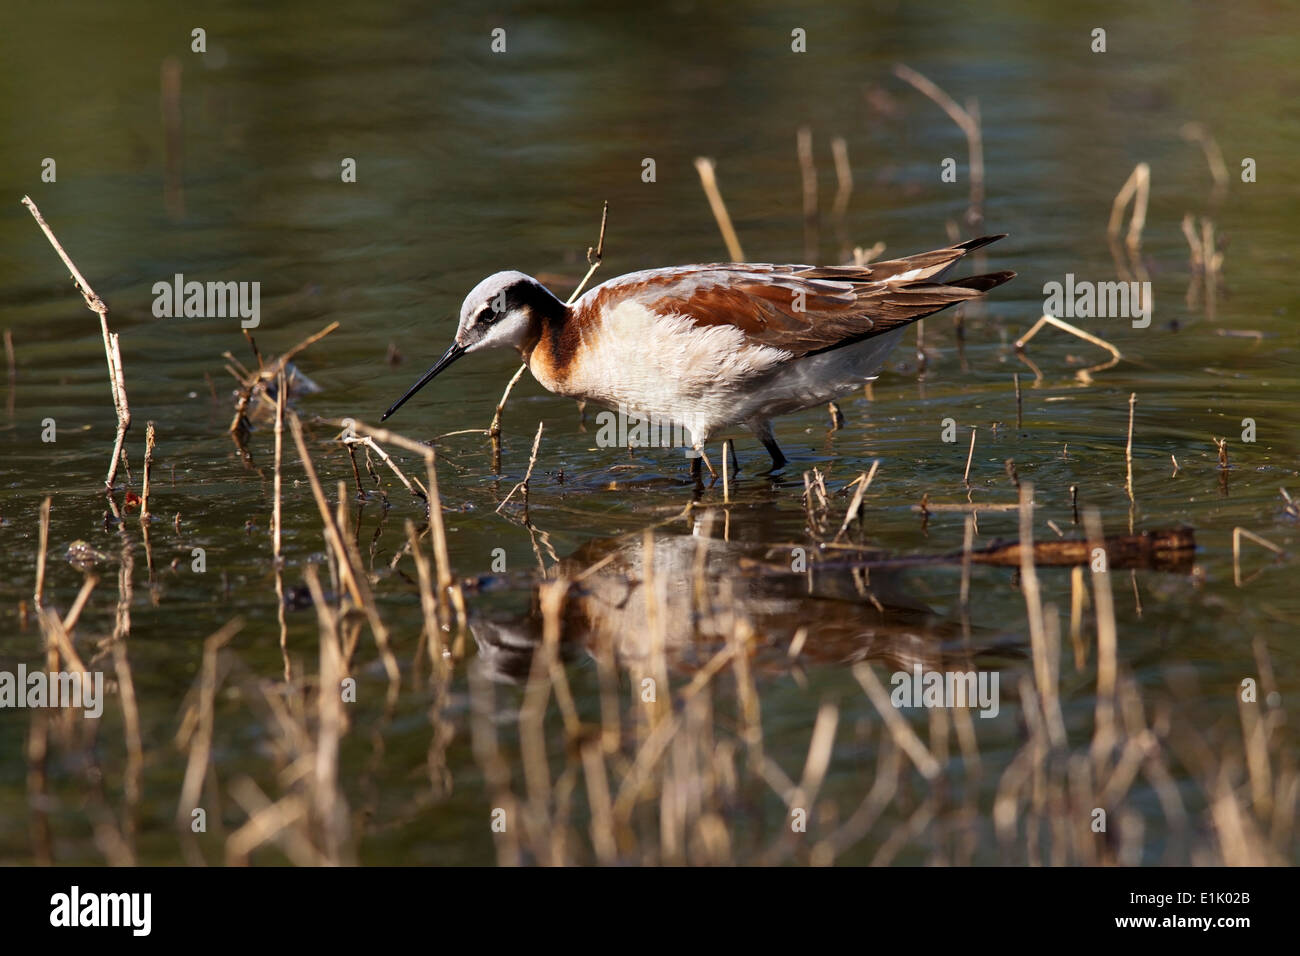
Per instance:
(713,346)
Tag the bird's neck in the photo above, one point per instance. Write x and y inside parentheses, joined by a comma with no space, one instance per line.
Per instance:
(554,344)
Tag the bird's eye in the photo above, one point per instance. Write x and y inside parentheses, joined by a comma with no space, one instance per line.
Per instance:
(484,314)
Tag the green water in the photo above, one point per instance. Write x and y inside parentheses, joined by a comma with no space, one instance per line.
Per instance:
(469,162)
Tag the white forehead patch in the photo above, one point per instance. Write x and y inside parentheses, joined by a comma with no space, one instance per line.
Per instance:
(486,291)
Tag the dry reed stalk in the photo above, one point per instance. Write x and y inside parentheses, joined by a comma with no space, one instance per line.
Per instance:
(496,771)
(1254,735)
(863,482)
(971,507)
(199,743)
(148,469)
(970,455)
(1136,188)
(656,626)
(742,638)
(277,519)
(594,256)
(280,822)
(808,178)
(602,808)
(1128,448)
(428,602)
(843,191)
(12,365)
(1019,404)
(413,485)
(349,561)
(967,121)
(1044,666)
(1084,375)
(551,597)
(818,760)
(537,818)
(78,605)
(1077,595)
(446,585)
(1237,534)
(860,822)
(250,381)
(899,729)
(532,460)
(494,429)
(38,787)
(1199,134)
(968,541)
(58,642)
(1103,739)
(705,167)
(328,807)
(43,544)
(726,473)
(131,731)
(112,351)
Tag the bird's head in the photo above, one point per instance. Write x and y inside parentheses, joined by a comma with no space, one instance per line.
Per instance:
(506,309)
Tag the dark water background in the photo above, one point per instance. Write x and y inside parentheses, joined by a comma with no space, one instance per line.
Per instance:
(470,162)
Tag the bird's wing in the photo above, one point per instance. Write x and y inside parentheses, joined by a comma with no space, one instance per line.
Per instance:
(803,309)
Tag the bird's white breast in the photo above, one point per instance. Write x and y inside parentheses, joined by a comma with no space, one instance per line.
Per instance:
(668,366)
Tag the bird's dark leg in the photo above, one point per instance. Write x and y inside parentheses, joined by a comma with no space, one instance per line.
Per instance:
(699,457)
(763,429)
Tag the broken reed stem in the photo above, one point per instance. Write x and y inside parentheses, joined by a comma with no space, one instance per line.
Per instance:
(705,167)
(277,512)
(1044,667)
(967,121)
(43,543)
(1128,449)
(494,430)
(347,557)
(844,188)
(199,744)
(532,460)
(594,257)
(864,482)
(899,729)
(412,485)
(1103,602)
(11,364)
(1136,188)
(1019,417)
(1198,133)
(808,177)
(428,601)
(1076,331)
(970,455)
(967,544)
(276,507)
(1237,534)
(130,726)
(148,468)
(112,351)
(726,473)
(436,527)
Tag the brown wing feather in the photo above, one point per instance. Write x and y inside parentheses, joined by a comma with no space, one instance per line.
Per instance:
(803,309)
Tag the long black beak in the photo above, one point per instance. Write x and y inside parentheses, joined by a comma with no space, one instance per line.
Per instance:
(453,353)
